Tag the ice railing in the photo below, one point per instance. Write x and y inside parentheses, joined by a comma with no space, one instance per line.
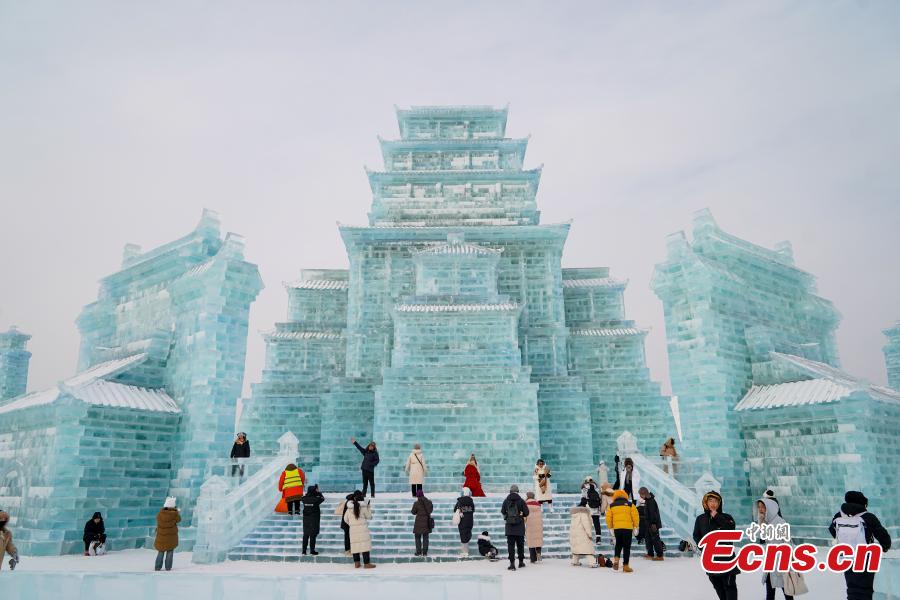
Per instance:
(235,471)
(225,513)
(679,504)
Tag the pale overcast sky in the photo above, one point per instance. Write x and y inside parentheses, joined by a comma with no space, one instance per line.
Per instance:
(120,121)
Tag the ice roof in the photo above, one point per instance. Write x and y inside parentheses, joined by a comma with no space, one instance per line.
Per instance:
(318,284)
(456,307)
(609,282)
(608,332)
(458,247)
(827,384)
(93,387)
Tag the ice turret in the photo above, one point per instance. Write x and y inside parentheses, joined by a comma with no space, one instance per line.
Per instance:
(14,359)
(892,355)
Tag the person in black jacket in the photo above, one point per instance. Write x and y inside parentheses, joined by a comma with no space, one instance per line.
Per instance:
(94,531)
(713,519)
(312,516)
(369,462)
(344,526)
(654,524)
(422,525)
(514,511)
(466,507)
(239,451)
(860,586)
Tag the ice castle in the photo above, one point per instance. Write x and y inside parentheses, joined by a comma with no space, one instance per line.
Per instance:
(161,367)
(456,326)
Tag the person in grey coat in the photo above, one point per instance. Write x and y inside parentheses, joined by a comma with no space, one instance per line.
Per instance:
(422,509)
(514,511)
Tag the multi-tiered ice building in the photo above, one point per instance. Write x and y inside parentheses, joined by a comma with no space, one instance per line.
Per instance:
(161,368)
(456,326)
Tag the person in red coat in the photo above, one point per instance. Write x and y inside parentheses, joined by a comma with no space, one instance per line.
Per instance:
(473,477)
(291,487)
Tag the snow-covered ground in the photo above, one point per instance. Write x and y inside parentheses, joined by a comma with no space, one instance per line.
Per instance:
(674,579)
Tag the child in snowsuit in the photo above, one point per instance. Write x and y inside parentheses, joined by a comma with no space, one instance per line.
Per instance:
(486,548)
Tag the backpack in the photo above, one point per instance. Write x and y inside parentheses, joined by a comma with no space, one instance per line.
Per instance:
(593,497)
(850,530)
(513,515)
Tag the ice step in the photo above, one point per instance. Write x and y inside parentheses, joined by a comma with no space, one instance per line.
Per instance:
(279,537)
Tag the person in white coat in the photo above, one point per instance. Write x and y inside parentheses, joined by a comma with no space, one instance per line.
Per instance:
(417,469)
(602,473)
(768,513)
(542,492)
(357,518)
(581,535)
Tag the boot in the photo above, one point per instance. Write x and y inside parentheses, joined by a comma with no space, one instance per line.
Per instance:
(658,558)
(511,567)
(356,564)
(616,564)
(521,564)
(369,566)
(627,569)
(540,557)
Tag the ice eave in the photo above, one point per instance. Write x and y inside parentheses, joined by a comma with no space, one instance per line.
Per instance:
(93,386)
(598,282)
(457,308)
(316,284)
(452,176)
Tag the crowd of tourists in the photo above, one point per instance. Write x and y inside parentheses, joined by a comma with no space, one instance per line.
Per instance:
(628,510)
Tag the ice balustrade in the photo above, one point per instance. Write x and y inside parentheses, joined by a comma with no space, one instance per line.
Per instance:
(225,514)
(679,504)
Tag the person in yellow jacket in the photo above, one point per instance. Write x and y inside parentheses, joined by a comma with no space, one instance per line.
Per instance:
(622,519)
(290,484)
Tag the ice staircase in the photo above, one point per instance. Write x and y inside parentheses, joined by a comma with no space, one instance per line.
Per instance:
(279,537)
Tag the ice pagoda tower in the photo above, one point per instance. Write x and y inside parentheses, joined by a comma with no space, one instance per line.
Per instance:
(14,360)
(455,273)
(892,355)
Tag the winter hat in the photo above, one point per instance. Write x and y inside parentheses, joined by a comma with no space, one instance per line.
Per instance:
(771,510)
(854,497)
(485,534)
(97,515)
(513,489)
(170,502)
(712,494)
(420,494)
(770,494)
(643,490)
(628,461)
(529,495)
(467,491)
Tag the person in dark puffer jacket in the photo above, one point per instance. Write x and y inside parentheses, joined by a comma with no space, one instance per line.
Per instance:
(369,462)
(713,519)
(860,586)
